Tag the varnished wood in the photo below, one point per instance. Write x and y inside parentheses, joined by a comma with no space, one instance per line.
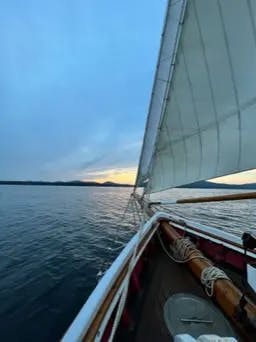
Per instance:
(231,197)
(225,292)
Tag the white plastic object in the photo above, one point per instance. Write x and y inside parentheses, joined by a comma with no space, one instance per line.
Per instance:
(251,276)
(184,338)
(215,338)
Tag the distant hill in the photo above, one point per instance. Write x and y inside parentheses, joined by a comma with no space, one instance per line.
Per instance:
(70,183)
(211,185)
(196,185)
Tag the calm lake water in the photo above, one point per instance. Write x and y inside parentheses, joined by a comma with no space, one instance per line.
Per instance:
(54,240)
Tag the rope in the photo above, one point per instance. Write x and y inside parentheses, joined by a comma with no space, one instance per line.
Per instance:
(183,251)
(129,206)
(208,277)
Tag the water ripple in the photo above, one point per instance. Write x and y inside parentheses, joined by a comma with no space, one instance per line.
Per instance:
(54,240)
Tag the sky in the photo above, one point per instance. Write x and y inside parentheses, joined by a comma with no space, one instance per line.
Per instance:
(75,84)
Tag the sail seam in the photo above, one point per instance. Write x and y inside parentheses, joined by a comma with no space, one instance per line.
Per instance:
(171,150)
(210,85)
(222,118)
(233,83)
(252,20)
(194,109)
(182,133)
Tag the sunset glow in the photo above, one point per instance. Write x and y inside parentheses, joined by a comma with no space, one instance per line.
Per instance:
(123,176)
(128,176)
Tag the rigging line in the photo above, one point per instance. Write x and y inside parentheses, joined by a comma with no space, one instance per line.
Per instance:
(131,266)
(194,108)
(116,241)
(232,74)
(252,19)
(137,210)
(194,6)
(134,212)
(124,293)
(122,219)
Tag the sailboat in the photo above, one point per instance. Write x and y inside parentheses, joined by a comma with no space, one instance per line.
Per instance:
(177,279)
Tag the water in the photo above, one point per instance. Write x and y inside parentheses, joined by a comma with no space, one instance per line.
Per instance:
(54,240)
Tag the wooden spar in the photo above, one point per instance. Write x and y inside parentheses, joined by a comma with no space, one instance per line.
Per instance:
(219,198)
(225,292)
(232,197)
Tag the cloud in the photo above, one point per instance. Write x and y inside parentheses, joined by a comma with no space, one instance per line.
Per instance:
(76,78)
(92,162)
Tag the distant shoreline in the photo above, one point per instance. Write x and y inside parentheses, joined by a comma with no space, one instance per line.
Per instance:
(196,185)
(212,185)
(59,183)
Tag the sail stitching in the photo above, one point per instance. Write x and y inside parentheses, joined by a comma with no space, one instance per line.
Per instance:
(182,133)
(252,19)
(210,84)
(194,108)
(171,151)
(233,83)
(222,118)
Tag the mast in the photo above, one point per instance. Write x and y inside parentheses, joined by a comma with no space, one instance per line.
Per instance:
(166,60)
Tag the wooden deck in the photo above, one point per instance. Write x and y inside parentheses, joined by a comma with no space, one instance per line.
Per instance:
(162,279)
(167,278)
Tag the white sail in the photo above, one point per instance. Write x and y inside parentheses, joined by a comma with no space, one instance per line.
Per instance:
(202,118)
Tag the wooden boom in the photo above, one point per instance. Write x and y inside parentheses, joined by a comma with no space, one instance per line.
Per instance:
(231,197)
(219,198)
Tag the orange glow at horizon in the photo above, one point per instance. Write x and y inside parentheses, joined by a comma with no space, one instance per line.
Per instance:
(122,176)
(128,176)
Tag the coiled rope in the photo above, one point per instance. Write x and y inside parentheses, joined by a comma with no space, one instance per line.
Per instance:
(183,250)
(208,277)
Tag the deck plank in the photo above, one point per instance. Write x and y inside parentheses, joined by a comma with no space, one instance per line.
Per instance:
(166,279)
